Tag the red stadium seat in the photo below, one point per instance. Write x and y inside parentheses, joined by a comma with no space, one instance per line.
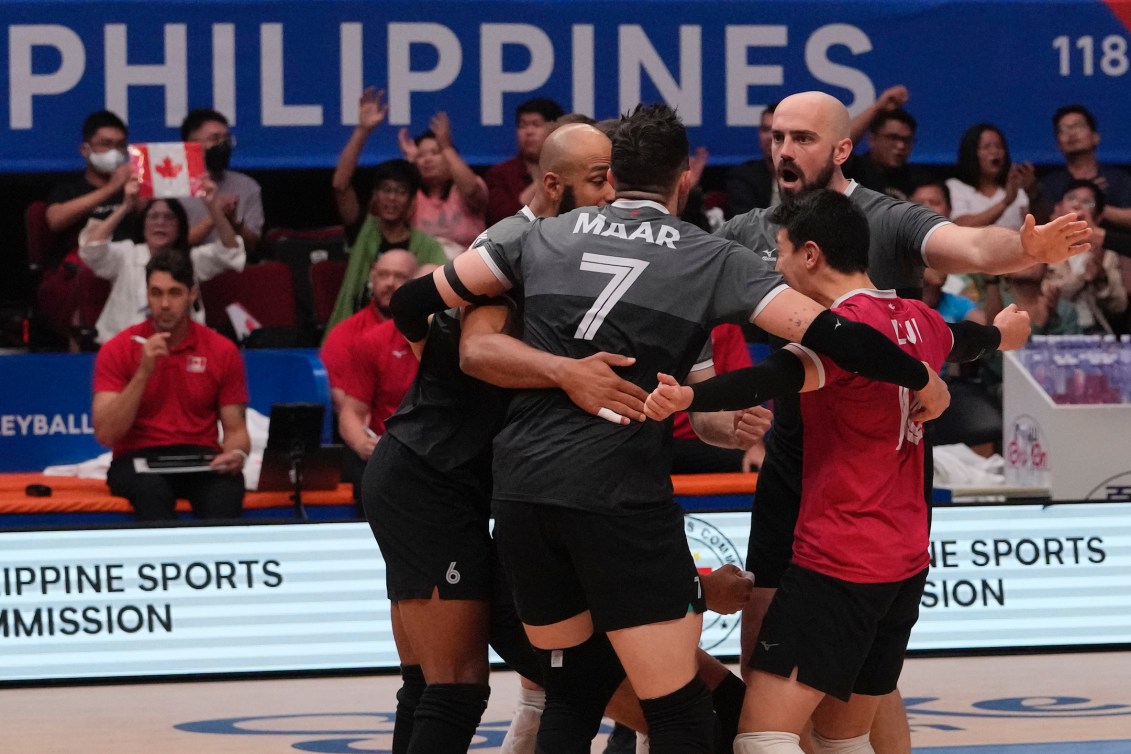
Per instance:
(264,290)
(325,281)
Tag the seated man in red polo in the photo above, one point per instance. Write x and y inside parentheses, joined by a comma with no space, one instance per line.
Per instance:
(343,353)
(159,389)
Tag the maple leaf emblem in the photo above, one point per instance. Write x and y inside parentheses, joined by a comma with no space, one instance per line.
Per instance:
(168,168)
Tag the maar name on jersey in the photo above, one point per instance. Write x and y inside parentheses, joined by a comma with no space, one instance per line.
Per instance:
(599,225)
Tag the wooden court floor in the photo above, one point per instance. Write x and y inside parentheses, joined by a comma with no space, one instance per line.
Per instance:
(1018,704)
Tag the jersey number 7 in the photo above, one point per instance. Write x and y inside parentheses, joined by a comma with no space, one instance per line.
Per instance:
(625,271)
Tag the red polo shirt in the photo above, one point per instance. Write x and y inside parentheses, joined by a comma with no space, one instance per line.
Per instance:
(182,399)
(341,342)
(382,369)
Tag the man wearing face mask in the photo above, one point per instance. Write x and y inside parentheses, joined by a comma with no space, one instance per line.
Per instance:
(239,193)
(99,191)
(94,195)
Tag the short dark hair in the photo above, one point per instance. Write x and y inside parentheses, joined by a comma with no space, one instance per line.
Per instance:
(967,170)
(181,242)
(102,119)
(400,171)
(543,106)
(770,108)
(1097,192)
(650,149)
(1070,110)
(898,114)
(174,262)
(830,220)
(197,118)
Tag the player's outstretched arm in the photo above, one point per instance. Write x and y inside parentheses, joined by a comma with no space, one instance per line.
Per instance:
(996,250)
(789,370)
(1009,331)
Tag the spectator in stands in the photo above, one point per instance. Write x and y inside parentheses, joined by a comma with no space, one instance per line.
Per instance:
(1076,138)
(386,222)
(885,167)
(510,184)
(160,387)
(988,188)
(239,195)
(164,227)
(452,199)
(70,205)
(99,191)
(342,355)
(1092,281)
(752,183)
(934,195)
(690,455)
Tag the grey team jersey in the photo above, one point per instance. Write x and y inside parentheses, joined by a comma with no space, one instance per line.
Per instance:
(628,279)
(899,232)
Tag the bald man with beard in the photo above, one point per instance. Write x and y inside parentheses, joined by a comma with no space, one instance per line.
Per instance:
(810,143)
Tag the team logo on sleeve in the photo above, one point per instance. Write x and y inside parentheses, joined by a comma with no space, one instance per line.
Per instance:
(712,549)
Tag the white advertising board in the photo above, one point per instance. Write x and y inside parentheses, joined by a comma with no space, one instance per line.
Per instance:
(142,602)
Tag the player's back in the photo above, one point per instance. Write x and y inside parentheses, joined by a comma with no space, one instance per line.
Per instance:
(627,279)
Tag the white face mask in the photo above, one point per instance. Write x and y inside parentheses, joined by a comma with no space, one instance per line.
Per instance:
(107,162)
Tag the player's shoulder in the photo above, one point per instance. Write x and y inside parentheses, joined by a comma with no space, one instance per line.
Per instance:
(507,229)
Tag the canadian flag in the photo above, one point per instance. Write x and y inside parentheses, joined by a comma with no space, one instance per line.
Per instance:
(168,169)
(242,320)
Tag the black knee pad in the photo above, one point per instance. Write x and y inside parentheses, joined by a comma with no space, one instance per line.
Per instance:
(681,722)
(579,683)
(508,638)
(447,716)
(408,697)
(727,700)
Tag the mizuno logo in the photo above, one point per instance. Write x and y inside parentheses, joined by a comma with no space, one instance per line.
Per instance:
(399,354)
(768,646)
(838,324)
(768,253)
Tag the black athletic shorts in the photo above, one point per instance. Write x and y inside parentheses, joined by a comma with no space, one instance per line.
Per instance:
(843,638)
(773,518)
(629,570)
(432,527)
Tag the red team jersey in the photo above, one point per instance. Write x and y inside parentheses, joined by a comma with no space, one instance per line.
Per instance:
(380,372)
(863,518)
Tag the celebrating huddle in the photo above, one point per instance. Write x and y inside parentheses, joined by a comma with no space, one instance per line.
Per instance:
(533,406)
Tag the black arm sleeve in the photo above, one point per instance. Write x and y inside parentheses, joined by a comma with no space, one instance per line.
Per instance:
(863,350)
(972,340)
(782,372)
(412,303)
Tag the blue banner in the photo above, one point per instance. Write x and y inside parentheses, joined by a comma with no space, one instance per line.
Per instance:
(289,73)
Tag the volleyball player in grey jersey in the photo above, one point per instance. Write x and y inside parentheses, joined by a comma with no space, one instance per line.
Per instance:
(597,540)
(810,142)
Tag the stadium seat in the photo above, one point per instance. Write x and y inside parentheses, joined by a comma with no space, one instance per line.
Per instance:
(326,280)
(265,290)
(300,250)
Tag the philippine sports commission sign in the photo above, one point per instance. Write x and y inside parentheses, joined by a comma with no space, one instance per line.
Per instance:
(167,601)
